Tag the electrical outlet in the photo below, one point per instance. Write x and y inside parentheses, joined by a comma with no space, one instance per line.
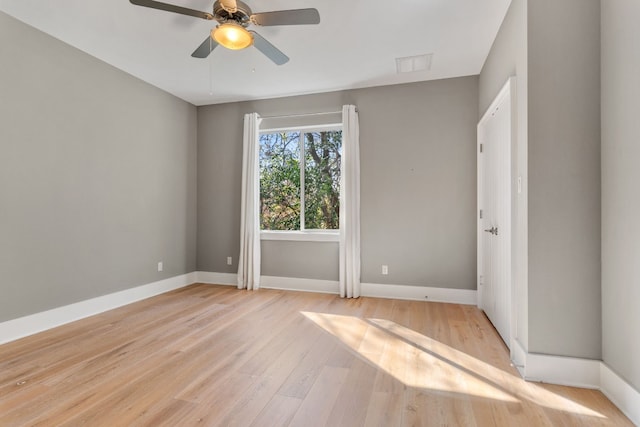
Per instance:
(229,260)
(385,270)
(160,266)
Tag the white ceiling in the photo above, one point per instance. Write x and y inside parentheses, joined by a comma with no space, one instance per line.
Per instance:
(355,44)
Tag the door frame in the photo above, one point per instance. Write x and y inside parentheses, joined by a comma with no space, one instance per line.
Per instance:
(508,90)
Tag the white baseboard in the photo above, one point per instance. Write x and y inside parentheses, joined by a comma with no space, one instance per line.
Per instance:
(584,373)
(622,394)
(570,371)
(518,356)
(230,279)
(28,325)
(298,284)
(273,282)
(419,293)
(376,290)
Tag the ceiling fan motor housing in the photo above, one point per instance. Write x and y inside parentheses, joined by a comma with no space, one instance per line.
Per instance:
(242,16)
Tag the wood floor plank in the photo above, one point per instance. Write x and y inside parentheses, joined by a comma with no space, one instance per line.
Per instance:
(278,412)
(301,379)
(270,381)
(218,402)
(353,397)
(317,406)
(214,355)
(172,413)
(384,409)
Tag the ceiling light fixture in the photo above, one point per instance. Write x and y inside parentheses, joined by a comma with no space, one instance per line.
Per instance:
(232,36)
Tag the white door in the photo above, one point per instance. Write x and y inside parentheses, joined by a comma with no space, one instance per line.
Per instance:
(494,223)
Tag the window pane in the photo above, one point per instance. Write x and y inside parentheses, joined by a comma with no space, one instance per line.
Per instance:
(280,181)
(322,180)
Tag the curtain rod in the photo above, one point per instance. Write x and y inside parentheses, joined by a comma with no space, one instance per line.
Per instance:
(301,115)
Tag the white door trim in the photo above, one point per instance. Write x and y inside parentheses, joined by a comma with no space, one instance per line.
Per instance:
(508,90)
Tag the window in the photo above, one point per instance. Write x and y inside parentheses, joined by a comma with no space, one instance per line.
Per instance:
(300,182)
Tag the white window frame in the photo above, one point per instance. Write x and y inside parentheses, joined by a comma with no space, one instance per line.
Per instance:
(302,234)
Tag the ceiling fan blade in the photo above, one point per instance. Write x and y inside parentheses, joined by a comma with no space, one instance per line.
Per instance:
(229,5)
(287,17)
(269,50)
(172,8)
(205,48)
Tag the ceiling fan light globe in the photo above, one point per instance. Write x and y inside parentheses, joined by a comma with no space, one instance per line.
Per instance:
(232,36)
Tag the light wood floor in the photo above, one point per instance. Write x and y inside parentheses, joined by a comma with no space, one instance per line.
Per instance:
(213,355)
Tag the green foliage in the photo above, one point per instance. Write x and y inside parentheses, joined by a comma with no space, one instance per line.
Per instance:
(322,180)
(280,180)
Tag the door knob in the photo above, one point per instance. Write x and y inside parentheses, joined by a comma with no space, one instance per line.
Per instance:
(492,230)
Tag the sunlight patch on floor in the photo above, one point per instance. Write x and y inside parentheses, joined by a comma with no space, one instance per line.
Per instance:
(403,361)
(422,362)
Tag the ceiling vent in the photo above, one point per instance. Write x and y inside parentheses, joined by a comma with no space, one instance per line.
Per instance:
(410,64)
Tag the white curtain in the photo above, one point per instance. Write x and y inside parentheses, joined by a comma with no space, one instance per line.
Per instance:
(249,259)
(350,205)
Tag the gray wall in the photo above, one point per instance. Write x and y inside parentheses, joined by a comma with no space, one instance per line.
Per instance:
(553,49)
(97,176)
(418,196)
(620,194)
(289,259)
(564,177)
(508,57)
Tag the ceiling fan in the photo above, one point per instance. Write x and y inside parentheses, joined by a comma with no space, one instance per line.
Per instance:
(233,18)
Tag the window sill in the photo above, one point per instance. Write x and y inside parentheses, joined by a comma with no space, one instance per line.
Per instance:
(301,236)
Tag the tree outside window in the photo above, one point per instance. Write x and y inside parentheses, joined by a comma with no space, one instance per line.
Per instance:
(300,195)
